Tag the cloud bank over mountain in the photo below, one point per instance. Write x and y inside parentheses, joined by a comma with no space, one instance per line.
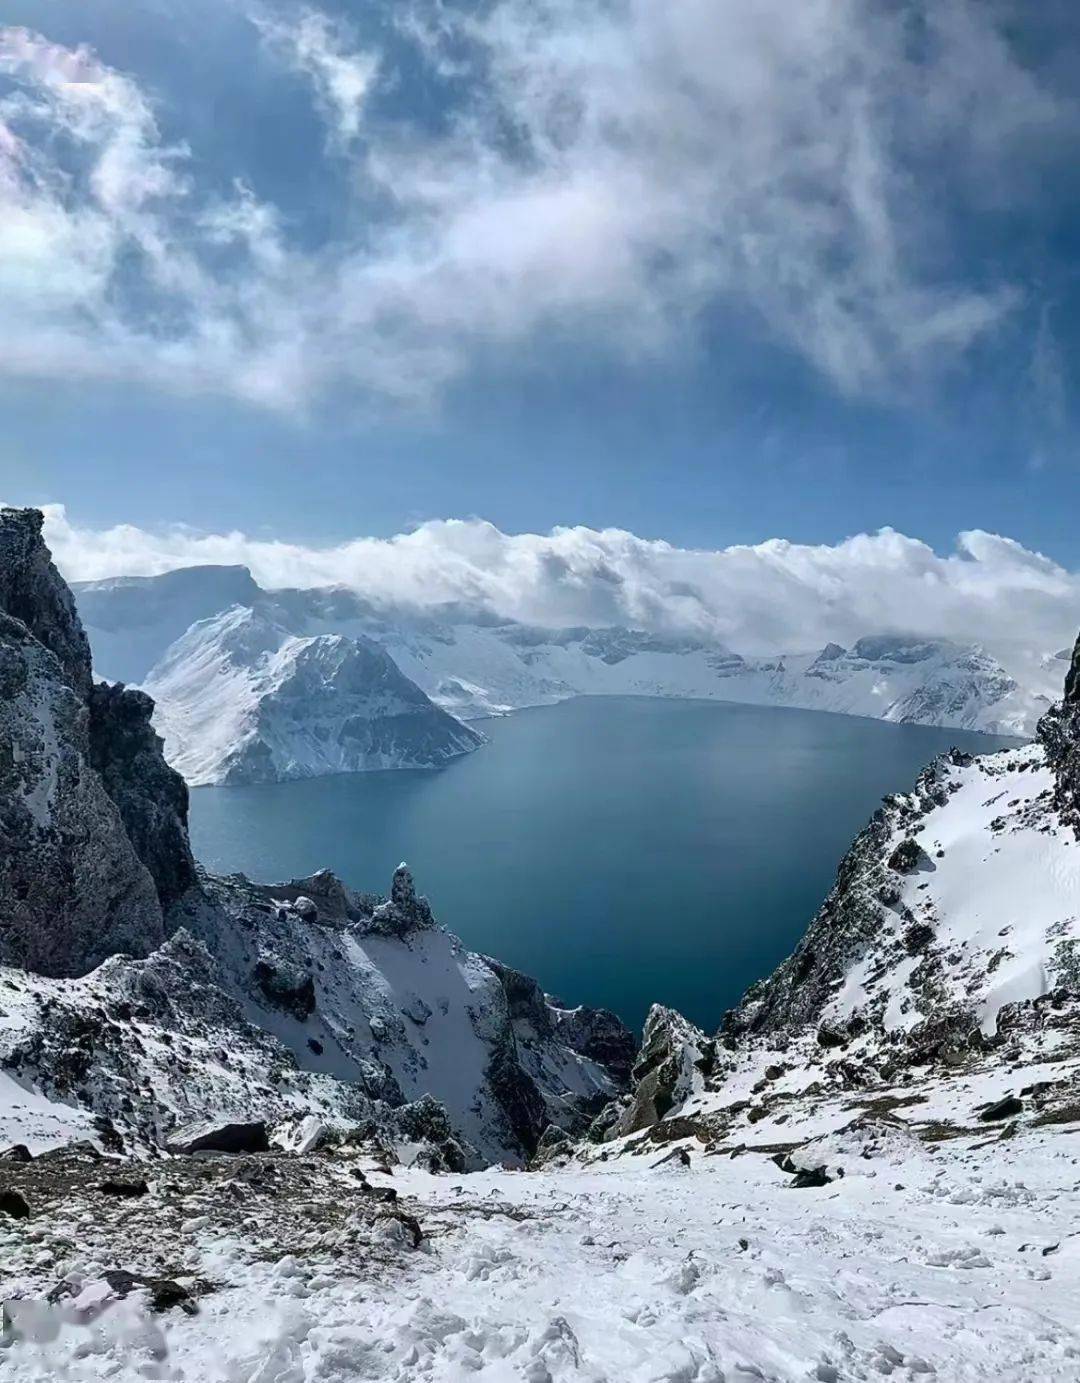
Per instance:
(770,597)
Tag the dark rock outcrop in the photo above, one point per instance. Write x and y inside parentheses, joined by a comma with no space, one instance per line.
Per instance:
(152,797)
(33,592)
(93,824)
(72,889)
(601,1036)
(1059,734)
(674,1055)
(286,986)
(596,1033)
(220,1137)
(403,912)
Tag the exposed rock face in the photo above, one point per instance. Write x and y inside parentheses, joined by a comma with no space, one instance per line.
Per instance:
(89,812)
(594,1032)
(600,1035)
(1059,733)
(674,1060)
(404,911)
(72,889)
(152,797)
(32,591)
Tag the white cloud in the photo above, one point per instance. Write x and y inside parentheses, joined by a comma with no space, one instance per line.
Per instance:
(772,597)
(326,52)
(612,170)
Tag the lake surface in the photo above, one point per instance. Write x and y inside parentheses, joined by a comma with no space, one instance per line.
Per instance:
(622,850)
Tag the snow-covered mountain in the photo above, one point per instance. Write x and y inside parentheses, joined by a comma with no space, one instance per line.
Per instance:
(472,665)
(869,1170)
(241,700)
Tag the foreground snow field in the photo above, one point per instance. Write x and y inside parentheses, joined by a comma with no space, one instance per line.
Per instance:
(957,1260)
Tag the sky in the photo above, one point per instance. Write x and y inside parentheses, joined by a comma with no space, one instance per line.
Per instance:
(706,273)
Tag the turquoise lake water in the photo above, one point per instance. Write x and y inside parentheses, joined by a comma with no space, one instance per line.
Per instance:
(622,850)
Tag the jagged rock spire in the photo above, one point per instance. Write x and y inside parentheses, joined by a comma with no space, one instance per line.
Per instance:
(1072,677)
(402,889)
(404,911)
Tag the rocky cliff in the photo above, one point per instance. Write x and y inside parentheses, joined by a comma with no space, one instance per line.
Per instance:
(75,885)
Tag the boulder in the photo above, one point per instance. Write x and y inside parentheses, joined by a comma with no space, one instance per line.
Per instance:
(223,1137)
(1007,1108)
(905,859)
(14,1204)
(125,1187)
(163,1292)
(286,986)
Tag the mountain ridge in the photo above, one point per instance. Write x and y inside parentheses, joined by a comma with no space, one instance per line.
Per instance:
(473,665)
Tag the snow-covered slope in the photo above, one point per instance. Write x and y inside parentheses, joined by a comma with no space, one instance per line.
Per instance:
(478,672)
(954,1262)
(240,699)
(473,665)
(961,897)
(136,618)
(266,1005)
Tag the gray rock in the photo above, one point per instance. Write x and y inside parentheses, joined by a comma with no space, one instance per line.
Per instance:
(286,986)
(14,1203)
(72,888)
(163,1292)
(1006,1108)
(221,1137)
(403,912)
(152,798)
(93,824)
(33,592)
(673,1051)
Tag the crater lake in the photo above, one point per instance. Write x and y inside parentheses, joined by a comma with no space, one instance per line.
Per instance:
(622,850)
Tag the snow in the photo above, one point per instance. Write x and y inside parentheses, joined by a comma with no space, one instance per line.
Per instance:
(958,1261)
(27,1117)
(240,698)
(476,671)
(999,885)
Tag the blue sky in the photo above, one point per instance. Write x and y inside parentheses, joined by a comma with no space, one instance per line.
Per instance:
(704,274)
